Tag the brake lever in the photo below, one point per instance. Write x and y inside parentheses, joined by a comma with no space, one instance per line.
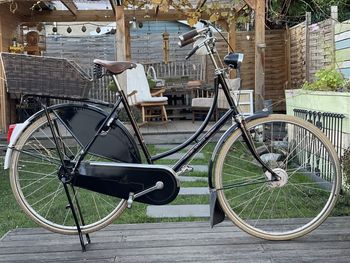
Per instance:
(190,54)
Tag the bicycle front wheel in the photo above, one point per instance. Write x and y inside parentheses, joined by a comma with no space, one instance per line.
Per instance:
(35,165)
(308,168)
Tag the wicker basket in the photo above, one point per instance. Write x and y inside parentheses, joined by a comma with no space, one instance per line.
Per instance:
(44,76)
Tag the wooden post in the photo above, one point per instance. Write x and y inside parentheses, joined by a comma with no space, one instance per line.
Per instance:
(334,13)
(307,46)
(334,17)
(120,34)
(288,60)
(232,42)
(127,41)
(259,54)
(121,42)
(8,26)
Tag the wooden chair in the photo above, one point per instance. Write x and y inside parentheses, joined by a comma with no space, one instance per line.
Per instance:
(139,95)
(201,105)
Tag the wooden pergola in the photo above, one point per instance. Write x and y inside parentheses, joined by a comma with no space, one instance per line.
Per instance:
(16,12)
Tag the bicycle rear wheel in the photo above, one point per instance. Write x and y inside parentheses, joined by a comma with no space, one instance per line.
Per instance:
(300,201)
(34,180)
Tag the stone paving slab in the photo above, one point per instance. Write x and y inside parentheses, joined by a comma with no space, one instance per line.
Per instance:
(168,211)
(192,179)
(168,146)
(177,156)
(194,191)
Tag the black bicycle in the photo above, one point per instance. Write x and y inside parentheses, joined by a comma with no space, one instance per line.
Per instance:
(74,167)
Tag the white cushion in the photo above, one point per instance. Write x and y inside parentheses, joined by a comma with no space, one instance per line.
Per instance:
(202,102)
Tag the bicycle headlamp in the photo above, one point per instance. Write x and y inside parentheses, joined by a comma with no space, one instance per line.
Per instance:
(234,60)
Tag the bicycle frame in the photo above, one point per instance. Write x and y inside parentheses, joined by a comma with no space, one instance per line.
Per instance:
(180,165)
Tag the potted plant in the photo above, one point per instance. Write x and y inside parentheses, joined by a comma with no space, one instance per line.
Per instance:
(330,92)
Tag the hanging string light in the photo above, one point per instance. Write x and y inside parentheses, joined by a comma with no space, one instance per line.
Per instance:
(98,30)
(69,30)
(54,28)
(133,23)
(83,28)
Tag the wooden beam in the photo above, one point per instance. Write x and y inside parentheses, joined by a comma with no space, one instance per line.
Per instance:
(253,3)
(260,46)
(71,6)
(200,4)
(239,6)
(106,16)
(114,6)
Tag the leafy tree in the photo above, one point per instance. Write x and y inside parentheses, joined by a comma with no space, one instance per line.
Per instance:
(293,11)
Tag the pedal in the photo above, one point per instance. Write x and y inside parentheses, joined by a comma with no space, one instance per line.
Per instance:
(130,199)
(159,185)
(185,169)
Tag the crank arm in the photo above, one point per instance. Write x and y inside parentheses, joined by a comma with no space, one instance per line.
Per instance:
(159,185)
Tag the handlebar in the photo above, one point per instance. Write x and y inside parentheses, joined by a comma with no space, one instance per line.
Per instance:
(189,35)
(185,43)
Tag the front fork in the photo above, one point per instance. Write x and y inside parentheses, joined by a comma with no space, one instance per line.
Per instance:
(249,141)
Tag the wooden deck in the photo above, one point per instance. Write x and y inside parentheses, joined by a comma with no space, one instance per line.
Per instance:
(178,242)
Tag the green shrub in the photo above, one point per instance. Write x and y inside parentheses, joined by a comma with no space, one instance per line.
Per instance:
(151,82)
(327,80)
(345,163)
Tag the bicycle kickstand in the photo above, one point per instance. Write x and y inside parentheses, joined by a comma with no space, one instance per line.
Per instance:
(75,216)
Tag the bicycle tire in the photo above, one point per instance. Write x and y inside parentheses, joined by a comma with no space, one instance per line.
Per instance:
(305,160)
(39,192)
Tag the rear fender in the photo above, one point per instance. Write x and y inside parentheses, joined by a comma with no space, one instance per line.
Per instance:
(83,120)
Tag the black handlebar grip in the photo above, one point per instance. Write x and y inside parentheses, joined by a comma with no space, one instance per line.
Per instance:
(188,35)
(185,43)
(190,54)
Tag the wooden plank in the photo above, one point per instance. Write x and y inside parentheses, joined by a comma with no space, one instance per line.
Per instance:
(342,36)
(342,44)
(178,242)
(342,55)
(342,27)
(345,72)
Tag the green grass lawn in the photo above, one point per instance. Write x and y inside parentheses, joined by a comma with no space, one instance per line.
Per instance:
(12,217)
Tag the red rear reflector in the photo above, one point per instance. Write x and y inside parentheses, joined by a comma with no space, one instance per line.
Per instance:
(9,133)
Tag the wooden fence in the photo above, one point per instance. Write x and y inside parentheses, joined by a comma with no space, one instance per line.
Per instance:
(276,63)
(311,49)
(342,47)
